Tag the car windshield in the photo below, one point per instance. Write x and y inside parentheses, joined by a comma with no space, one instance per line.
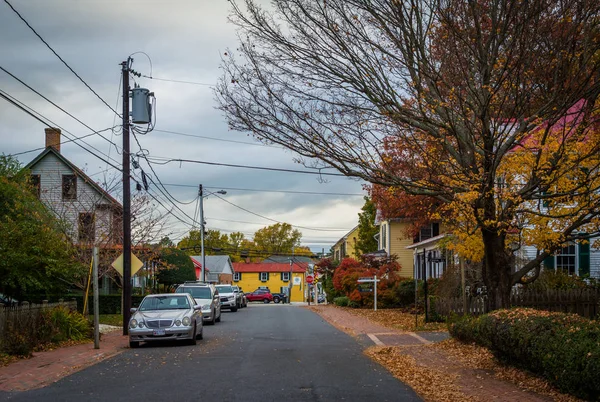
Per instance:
(164,303)
(225,289)
(197,292)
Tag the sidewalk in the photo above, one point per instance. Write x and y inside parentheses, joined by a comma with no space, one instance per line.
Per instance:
(47,367)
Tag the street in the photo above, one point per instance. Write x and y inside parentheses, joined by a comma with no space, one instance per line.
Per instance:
(261,353)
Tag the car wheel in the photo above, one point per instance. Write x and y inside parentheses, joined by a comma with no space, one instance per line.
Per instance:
(193,340)
(276,300)
(134,344)
(266,301)
(234,309)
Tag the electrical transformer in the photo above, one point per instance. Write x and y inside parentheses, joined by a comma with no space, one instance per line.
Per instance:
(141,109)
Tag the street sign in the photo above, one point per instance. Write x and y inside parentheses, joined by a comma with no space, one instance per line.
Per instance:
(136,264)
(367,288)
(367,280)
(309,279)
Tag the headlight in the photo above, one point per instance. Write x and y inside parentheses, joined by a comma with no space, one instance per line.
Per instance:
(186,321)
(133,323)
(231,297)
(178,322)
(206,307)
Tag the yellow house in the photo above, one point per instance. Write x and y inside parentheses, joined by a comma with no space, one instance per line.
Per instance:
(394,239)
(276,276)
(346,246)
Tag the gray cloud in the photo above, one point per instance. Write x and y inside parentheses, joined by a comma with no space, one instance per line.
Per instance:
(185,40)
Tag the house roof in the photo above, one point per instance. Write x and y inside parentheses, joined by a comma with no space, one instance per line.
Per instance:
(78,172)
(428,243)
(269,267)
(215,263)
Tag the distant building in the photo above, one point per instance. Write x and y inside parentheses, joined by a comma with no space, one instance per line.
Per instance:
(219,268)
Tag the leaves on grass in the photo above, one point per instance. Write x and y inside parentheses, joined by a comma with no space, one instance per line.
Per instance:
(397,319)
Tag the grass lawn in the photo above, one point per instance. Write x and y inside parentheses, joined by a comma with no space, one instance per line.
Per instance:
(111,319)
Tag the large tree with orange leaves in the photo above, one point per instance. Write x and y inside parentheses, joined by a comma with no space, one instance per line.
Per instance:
(462,102)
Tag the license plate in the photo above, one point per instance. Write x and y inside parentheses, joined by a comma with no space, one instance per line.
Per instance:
(158,332)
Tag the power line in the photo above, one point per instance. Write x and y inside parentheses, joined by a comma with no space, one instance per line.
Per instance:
(275,220)
(267,191)
(217,139)
(63,142)
(169,160)
(178,81)
(57,106)
(60,58)
(16,102)
(262,224)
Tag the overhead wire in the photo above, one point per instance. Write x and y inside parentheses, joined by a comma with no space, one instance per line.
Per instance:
(217,139)
(169,160)
(275,220)
(60,58)
(58,107)
(24,107)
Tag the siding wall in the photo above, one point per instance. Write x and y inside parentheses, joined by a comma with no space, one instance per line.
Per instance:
(51,170)
(528,253)
(398,242)
(251,281)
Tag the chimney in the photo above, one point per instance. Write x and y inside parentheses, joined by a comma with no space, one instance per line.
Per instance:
(53,138)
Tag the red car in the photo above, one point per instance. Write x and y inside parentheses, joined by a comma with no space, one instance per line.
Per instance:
(260,295)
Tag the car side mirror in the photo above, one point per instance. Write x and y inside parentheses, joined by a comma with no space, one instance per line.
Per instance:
(197,307)
(133,310)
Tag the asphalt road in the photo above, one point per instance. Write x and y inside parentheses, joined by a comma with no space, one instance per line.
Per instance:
(260,353)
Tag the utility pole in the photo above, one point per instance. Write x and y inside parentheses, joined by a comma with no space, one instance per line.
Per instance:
(96,302)
(126,202)
(202,272)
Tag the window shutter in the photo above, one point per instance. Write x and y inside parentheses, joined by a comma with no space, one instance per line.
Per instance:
(436,229)
(584,258)
(549,262)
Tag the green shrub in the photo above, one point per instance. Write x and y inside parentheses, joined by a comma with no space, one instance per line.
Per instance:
(563,348)
(68,325)
(342,301)
(406,293)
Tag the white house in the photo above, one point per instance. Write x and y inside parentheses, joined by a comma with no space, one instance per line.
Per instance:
(94,217)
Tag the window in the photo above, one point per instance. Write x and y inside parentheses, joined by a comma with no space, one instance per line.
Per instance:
(264,276)
(36,184)
(285,276)
(86,227)
(565,259)
(427,232)
(69,187)
(237,276)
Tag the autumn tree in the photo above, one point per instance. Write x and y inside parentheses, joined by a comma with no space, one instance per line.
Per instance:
(175,267)
(279,238)
(488,107)
(366,242)
(35,254)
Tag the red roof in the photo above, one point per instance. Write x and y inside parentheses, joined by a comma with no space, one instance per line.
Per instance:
(269,267)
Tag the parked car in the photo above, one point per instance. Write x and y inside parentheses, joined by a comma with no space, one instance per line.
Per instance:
(260,295)
(228,297)
(243,301)
(277,297)
(206,296)
(162,317)
(321,298)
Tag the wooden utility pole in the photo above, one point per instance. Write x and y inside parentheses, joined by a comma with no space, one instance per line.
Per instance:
(126,202)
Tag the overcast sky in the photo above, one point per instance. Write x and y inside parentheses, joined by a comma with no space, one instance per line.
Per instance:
(184,40)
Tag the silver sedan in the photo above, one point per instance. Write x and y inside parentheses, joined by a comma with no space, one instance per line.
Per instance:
(163,317)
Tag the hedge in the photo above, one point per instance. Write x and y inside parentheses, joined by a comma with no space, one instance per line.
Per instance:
(563,348)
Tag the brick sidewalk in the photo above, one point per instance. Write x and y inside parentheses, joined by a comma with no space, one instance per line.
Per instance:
(47,367)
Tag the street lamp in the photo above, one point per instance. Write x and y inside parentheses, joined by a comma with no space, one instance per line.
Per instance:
(201,195)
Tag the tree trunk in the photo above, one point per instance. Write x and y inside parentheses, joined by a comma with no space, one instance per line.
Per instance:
(496,270)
